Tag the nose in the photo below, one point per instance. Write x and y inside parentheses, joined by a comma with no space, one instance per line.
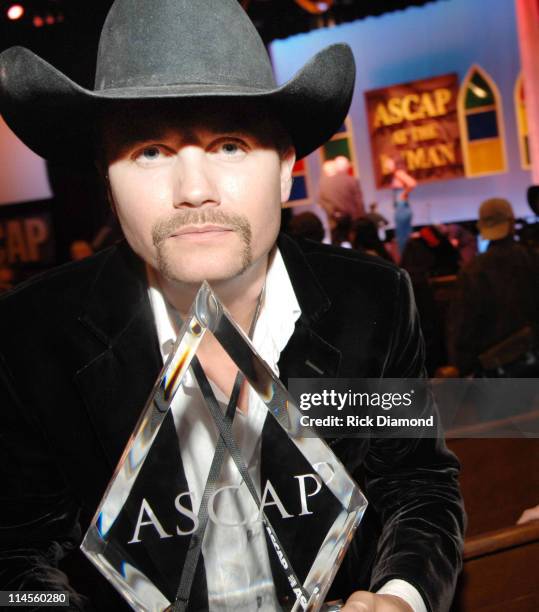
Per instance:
(195,183)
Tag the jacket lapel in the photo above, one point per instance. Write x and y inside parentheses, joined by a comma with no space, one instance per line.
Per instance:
(306,355)
(118,378)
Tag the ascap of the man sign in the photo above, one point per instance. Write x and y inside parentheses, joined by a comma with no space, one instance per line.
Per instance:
(416,125)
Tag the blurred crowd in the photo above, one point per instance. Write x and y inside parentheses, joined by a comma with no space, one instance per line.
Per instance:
(476,284)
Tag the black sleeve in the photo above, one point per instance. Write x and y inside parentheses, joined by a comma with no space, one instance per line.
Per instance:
(38,517)
(413,486)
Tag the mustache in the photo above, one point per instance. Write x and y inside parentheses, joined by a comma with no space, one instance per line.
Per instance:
(234,221)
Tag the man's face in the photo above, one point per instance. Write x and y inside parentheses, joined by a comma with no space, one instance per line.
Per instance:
(198,193)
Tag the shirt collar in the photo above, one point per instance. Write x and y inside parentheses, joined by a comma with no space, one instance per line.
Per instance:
(279,312)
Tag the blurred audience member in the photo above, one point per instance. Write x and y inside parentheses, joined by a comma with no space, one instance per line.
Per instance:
(429,255)
(80,249)
(375,217)
(464,241)
(494,317)
(533,198)
(306,225)
(379,220)
(529,232)
(529,515)
(340,196)
(7,279)
(364,237)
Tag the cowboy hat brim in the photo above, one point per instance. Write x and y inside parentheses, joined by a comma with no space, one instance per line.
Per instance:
(50,113)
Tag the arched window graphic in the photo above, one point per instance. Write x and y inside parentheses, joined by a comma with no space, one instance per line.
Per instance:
(342,143)
(481,124)
(301,192)
(522,123)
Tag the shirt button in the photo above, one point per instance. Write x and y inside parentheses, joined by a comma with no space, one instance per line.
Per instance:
(249,538)
(258,601)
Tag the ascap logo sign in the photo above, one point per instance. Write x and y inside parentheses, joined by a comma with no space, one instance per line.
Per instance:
(309,485)
(416,125)
(25,236)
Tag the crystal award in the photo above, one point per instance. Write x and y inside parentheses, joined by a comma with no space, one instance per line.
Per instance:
(217,508)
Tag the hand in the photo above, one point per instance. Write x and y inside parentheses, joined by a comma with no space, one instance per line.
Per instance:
(531,514)
(363,601)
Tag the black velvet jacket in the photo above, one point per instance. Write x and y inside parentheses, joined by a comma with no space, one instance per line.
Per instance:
(78,359)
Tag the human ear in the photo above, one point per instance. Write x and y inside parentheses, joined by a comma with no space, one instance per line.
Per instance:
(288,159)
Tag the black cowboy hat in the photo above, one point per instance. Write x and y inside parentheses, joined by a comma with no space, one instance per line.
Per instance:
(172,49)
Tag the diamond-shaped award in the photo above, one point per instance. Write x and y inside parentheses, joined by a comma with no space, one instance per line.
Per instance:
(212,507)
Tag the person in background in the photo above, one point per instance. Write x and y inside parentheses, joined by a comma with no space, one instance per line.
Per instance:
(306,225)
(464,241)
(529,231)
(426,256)
(341,197)
(430,254)
(529,515)
(379,220)
(494,316)
(364,237)
(375,217)
(402,184)
(532,195)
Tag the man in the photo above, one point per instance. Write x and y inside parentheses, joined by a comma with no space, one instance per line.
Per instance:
(495,310)
(340,196)
(197,145)
(306,225)
(375,217)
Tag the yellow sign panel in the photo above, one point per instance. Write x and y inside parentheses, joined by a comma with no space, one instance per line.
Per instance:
(416,125)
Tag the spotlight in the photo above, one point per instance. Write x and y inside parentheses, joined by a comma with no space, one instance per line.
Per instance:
(15,11)
(314,7)
(49,20)
(38,21)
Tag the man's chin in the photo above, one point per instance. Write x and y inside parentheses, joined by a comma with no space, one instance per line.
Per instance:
(195,266)
(196,274)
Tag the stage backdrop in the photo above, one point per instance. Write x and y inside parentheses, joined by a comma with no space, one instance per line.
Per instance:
(422,43)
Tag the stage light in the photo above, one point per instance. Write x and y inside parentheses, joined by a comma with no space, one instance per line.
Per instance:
(314,7)
(477,91)
(49,20)
(15,11)
(38,21)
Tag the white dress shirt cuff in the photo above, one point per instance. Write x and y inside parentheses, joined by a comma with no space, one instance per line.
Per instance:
(404,590)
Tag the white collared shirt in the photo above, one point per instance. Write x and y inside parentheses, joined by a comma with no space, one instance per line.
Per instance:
(236,560)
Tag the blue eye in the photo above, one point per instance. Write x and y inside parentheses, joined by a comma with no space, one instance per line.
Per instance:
(151,153)
(230,147)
